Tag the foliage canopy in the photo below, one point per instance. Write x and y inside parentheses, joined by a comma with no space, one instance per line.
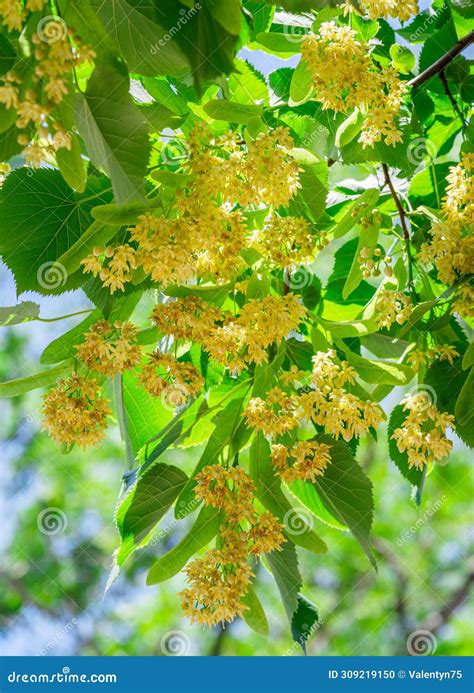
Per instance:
(303,243)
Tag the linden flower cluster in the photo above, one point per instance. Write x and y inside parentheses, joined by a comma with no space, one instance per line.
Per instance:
(353,81)
(220,580)
(204,235)
(188,318)
(423,434)
(325,403)
(398,9)
(110,349)
(13,14)
(392,306)
(113,265)
(232,341)
(370,261)
(286,241)
(55,61)
(451,248)
(261,322)
(304,461)
(75,412)
(443,352)
(177,379)
(265,173)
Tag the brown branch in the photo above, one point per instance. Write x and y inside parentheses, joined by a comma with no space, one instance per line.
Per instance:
(406,231)
(457,599)
(216,647)
(400,607)
(442,62)
(396,199)
(448,93)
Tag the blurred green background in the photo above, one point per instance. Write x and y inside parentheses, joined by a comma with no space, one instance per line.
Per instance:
(52,585)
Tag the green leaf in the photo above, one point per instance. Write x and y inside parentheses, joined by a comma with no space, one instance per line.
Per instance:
(284,566)
(349,129)
(368,238)
(354,213)
(413,475)
(7,55)
(98,234)
(15,315)
(233,112)
(268,491)
(49,218)
(228,13)
(281,44)
(311,198)
(201,533)
(346,492)
(70,161)
(145,503)
(301,85)
(306,493)
(379,372)
(304,620)
(402,58)
(448,380)
(254,615)
(468,358)
(119,144)
(147,47)
(227,422)
(464,410)
(14,388)
(123,215)
(464,7)
(145,415)
(64,347)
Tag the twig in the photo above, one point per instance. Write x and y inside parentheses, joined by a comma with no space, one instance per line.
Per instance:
(448,93)
(216,647)
(457,599)
(404,222)
(401,588)
(442,62)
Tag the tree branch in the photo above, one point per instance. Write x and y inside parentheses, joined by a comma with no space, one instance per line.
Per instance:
(404,222)
(457,599)
(396,199)
(442,62)
(453,101)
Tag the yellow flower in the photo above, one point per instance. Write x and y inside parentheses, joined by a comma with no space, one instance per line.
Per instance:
(110,349)
(164,373)
(75,412)
(392,306)
(354,81)
(423,433)
(304,461)
(266,535)
(275,416)
(286,241)
(451,248)
(114,265)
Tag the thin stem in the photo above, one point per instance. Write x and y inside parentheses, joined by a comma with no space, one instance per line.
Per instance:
(435,183)
(63,317)
(122,420)
(453,101)
(442,62)
(404,222)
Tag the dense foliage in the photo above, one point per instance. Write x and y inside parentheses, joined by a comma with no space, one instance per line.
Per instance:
(267,259)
